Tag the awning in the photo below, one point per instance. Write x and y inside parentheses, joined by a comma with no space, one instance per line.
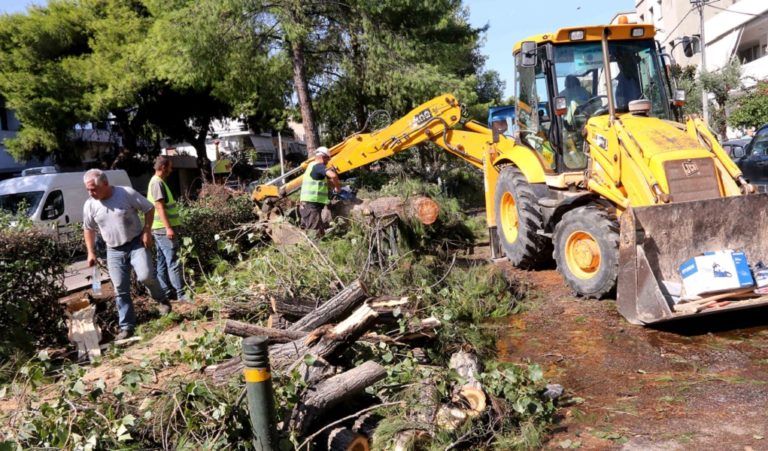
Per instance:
(721,51)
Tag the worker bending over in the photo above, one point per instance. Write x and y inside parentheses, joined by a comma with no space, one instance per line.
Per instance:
(314,191)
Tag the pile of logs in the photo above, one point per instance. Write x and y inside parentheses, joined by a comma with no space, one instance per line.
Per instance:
(312,341)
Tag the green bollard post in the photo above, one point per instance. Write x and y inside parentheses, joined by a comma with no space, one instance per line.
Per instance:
(258,385)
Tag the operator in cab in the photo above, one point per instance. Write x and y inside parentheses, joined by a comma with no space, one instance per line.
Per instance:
(573,91)
(314,191)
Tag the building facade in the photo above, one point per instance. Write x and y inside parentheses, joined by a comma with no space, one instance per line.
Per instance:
(9,126)
(731,28)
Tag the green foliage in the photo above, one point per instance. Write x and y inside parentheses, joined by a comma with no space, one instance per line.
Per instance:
(209,221)
(31,281)
(751,110)
(721,83)
(75,414)
(148,65)
(520,409)
(688,82)
(207,349)
(388,55)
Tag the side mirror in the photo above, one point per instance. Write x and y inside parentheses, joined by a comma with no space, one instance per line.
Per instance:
(738,152)
(50,212)
(528,54)
(688,49)
(679,99)
(561,105)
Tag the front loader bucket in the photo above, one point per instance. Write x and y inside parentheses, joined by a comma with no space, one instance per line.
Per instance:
(656,240)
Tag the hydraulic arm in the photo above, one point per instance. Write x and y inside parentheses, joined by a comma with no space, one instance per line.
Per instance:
(431,120)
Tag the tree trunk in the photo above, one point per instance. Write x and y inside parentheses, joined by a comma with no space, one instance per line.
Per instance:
(292,308)
(420,208)
(334,308)
(471,394)
(320,344)
(241,329)
(300,82)
(332,391)
(342,439)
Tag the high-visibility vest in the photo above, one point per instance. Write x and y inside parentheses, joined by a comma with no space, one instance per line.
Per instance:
(313,190)
(171,209)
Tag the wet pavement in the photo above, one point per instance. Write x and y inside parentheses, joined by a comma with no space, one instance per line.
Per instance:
(686,385)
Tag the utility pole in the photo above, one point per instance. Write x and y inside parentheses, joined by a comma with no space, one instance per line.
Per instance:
(703,46)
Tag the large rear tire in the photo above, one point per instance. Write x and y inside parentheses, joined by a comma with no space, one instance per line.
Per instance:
(518,220)
(586,244)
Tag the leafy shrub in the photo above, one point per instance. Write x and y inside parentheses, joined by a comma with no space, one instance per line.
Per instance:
(216,214)
(32,268)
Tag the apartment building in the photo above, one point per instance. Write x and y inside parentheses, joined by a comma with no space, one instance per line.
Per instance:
(731,28)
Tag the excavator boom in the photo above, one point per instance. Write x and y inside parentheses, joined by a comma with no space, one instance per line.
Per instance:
(431,120)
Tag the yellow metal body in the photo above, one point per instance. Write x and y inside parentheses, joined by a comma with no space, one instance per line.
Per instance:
(648,169)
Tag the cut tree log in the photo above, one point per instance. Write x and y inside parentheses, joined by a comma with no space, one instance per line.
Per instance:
(326,344)
(420,208)
(387,304)
(278,321)
(366,423)
(321,345)
(336,307)
(292,308)
(450,418)
(471,394)
(284,233)
(424,328)
(410,439)
(331,392)
(342,439)
(85,333)
(241,329)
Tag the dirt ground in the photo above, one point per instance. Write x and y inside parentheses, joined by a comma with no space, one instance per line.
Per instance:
(692,385)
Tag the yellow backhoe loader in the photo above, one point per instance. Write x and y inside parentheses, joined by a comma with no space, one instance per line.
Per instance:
(603,173)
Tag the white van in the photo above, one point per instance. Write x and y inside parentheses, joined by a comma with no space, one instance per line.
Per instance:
(52,199)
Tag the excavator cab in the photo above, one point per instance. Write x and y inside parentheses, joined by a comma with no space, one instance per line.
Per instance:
(568,82)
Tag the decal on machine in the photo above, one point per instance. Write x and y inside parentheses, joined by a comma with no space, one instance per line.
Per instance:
(690,168)
(601,141)
(422,116)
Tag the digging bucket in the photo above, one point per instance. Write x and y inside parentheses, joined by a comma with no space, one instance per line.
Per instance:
(656,240)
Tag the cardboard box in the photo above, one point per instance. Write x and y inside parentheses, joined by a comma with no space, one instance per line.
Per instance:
(761,278)
(716,272)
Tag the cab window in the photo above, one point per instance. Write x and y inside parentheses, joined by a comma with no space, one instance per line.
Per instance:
(532,110)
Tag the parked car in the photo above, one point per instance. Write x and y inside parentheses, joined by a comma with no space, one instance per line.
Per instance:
(753,159)
(732,145)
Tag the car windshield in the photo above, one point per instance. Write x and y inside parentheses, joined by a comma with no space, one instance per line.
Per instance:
(21,203)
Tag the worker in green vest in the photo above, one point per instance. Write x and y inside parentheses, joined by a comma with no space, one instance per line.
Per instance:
(165,228)
(314,190)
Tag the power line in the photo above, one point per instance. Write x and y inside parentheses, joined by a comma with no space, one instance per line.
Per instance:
(678,24)
(732,11)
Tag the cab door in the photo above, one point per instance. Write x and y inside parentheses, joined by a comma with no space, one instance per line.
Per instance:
(755,164)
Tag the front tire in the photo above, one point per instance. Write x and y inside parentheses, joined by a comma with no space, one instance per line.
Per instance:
(518,220)
(587,251)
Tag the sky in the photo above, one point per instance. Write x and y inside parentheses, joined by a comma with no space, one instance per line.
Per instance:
(509,21)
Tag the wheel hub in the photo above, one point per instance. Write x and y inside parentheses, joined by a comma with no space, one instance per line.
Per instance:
(582,254)
(509,218)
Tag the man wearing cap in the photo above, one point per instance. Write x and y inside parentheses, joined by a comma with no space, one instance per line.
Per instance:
(314,190)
